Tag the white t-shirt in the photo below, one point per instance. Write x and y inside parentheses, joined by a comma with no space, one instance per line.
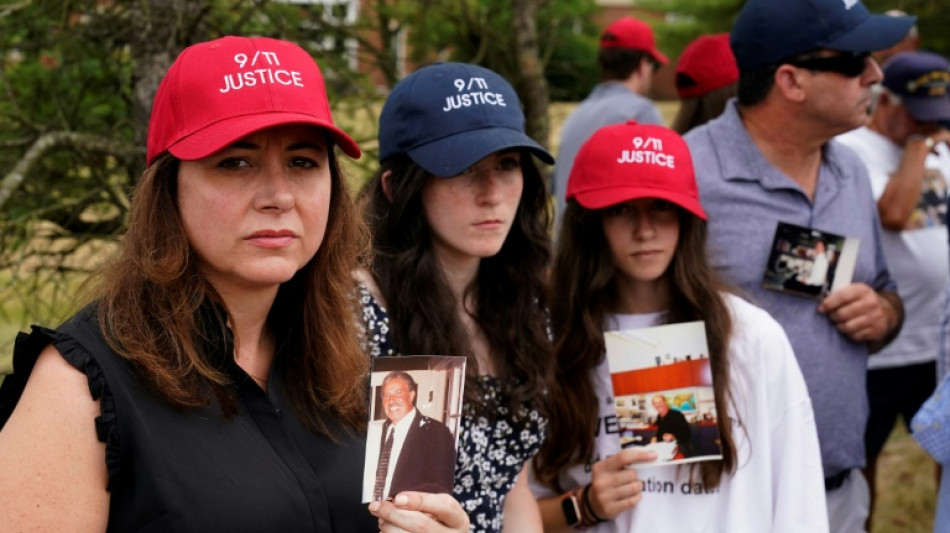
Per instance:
(778,485)
(917,257)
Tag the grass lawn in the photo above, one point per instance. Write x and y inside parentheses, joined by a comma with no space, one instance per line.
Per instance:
(906,494)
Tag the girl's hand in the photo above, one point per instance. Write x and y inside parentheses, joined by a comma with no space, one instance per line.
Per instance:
(614,487)
(420,512)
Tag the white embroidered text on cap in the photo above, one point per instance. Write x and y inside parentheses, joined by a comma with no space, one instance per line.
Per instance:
(471,98)
(652,153)
(250,78)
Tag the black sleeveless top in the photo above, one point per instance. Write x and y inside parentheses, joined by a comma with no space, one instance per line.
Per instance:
(179,471)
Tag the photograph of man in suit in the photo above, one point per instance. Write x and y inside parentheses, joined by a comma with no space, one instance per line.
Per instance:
(416,452)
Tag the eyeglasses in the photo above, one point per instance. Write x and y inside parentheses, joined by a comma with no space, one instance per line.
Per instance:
(851,65)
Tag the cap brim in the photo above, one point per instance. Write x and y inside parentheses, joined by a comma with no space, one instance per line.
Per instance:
(608,196)
(449,156)
(209,140)
(927,109)
(876,32)
(659,56)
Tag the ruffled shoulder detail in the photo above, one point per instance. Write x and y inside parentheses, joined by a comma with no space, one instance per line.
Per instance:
(25,354)
(376,337)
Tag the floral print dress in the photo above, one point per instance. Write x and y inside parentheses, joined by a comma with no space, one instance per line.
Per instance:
(492,451)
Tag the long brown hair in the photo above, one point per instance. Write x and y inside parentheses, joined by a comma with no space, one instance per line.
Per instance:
(158,312)
(695,112)
(583,292)
(510,288)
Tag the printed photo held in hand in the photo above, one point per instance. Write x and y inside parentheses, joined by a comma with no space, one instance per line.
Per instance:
(663,392)
(412,434)
(809,262)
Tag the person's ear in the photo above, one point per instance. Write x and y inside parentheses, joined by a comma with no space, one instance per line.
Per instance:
(384,181)
(790,81)
(884,97)
(646,66)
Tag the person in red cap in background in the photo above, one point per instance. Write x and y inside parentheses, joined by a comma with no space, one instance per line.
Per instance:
(706,78)
(215,383)
(632,254)
(905,149)
(627,59)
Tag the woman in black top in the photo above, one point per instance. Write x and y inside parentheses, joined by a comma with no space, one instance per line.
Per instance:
(219,389)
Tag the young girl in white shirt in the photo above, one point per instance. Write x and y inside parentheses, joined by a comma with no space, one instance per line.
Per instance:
(631,254)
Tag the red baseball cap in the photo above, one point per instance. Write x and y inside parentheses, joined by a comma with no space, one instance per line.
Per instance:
(219,91)
(628,32)
(705,65)
(623,162)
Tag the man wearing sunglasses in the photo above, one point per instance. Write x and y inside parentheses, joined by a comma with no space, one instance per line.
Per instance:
(905,150)
(805,76)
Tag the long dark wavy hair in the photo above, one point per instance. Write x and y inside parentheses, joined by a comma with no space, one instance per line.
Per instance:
(158,312)
(509,291)
(694,112)
(582,283)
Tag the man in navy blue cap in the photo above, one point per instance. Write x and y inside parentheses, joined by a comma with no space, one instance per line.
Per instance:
(905,150)
(805,76)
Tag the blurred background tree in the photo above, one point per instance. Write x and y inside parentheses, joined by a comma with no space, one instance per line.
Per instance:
(77,78)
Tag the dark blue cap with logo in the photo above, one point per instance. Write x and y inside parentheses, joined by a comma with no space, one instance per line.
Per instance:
(768,32)
(921,80)
(448,116)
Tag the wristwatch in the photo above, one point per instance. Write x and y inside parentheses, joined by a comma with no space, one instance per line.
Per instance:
(571,508)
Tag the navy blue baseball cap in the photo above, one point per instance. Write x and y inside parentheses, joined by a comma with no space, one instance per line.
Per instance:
(448,116)
(921,80)
(768,32)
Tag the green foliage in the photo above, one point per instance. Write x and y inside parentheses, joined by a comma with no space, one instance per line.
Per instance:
(685,20)
(572,69)
(933,19)
(478,31)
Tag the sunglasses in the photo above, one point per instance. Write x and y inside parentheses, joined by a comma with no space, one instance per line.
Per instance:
(851,65)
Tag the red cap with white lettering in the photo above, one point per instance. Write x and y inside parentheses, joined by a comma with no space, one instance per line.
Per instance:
(219,91)
(628,161)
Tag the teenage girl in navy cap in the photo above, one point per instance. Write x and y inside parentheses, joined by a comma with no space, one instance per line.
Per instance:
(459,221)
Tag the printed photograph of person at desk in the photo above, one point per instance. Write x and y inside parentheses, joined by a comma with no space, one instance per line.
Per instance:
(663,392)
(414,416)
(808,262)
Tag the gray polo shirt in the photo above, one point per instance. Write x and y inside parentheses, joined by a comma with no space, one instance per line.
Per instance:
(609,103)
(745,198)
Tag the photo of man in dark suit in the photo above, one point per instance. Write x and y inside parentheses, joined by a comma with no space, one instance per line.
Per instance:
(416,452)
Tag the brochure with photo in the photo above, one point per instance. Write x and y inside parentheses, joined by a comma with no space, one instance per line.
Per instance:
(809,262)
(415,407)
(663,392)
